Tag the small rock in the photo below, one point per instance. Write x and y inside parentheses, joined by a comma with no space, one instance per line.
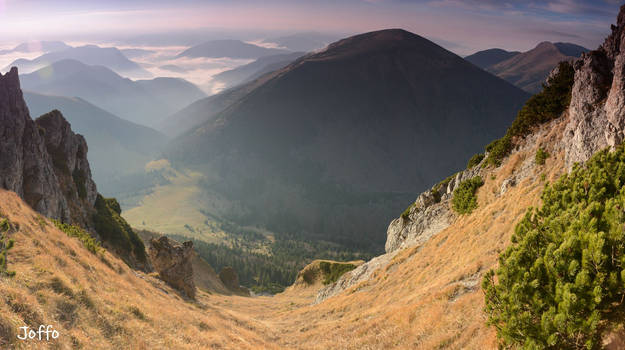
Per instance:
(507,183)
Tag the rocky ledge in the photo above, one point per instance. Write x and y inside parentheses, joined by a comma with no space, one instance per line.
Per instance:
(173,262)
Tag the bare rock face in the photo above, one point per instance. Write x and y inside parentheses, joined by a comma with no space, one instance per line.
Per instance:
(25,165)
(351,278)
(173,262)
(597,110)
(43,161)
(429,215)
(68,152)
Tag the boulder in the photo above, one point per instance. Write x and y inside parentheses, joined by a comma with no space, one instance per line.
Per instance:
(173,262)
(230,279)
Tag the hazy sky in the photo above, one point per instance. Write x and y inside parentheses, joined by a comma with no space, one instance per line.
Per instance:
(462,26)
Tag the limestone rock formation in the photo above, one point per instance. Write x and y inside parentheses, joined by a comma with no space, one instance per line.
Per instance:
(69,159)
(597,110)
(429,214)
(43,161)
(173,263)
(427,217)
(230,279)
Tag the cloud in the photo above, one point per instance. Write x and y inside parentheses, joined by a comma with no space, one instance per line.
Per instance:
(583,8)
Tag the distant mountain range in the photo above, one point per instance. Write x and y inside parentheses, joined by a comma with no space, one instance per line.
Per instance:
(116,147)
(37,46)
(490,57)
(109,57)
(255,69)
(229,48)
(527,70)
(143,102)
(334,144)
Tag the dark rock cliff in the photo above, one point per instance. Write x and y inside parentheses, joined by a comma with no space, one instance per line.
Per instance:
(46,164)
(25,164)
(597,110)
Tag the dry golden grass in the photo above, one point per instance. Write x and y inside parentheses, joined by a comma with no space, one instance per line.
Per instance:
(429,297)
(100,303)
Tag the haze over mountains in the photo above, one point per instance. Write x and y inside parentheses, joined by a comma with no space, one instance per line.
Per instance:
(333,144)
(117,147)
(229,48)
(109,57)
(144,102)
(527,70)
(37,46)
(255,69)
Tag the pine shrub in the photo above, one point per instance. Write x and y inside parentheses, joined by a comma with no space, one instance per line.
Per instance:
(541,156)
(83,236)
(464,199)
(540,108)
(6,244)
(475,160)
(332,271)
(113,229)
(564,274)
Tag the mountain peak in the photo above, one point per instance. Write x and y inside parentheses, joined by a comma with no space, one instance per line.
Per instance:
(386,40)
(10,79)
(612,43)
(377,38)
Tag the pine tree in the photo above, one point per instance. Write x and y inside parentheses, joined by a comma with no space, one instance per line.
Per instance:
(565,271)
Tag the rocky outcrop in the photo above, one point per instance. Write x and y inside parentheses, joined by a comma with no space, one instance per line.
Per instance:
(358,275)
(68,152)
(429,215)
(230,279)
(173,262)
(597,109)
(41,160)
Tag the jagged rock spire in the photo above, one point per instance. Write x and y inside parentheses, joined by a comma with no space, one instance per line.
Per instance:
(597,109)
(44,162)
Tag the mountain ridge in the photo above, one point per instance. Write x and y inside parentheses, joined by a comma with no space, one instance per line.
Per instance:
(229,48)
(110,57)
(528,70)
(142,101)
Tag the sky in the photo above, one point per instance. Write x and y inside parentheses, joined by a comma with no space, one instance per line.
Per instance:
(462,26)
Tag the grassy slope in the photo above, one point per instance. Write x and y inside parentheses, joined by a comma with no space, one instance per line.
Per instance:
(428,297)
(181,207)
(106,305)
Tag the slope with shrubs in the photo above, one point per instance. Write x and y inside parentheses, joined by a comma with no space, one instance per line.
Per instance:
(95,301)
(540,108)
(564,275)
